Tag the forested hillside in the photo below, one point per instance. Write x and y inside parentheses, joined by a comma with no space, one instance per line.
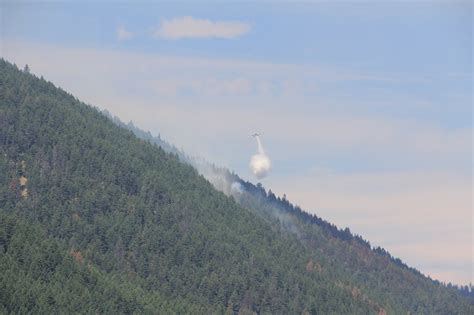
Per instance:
(372,270)
(95,220)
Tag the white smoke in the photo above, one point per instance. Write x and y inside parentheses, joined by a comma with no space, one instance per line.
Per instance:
(260,163)
(236,189)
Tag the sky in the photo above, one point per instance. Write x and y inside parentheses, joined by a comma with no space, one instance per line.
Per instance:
(365,108)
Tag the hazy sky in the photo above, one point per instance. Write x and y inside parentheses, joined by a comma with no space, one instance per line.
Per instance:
(365,107)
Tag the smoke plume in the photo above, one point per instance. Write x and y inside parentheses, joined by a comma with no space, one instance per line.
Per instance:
(260,163)
(236,188)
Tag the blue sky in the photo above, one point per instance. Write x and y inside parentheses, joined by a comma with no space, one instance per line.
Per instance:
(366,107)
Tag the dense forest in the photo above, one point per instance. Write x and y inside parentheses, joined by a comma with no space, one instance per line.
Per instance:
(94,219)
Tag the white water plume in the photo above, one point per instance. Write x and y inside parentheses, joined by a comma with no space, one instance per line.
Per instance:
(260,163)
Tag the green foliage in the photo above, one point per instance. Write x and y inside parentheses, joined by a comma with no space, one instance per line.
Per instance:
(95,220)
(372,274)
(39,276)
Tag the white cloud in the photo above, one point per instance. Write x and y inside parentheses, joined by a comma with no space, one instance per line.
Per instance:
(189,27)
(123,34)
(203,86)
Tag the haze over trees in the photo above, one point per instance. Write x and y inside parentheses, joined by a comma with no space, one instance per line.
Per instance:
(94,219)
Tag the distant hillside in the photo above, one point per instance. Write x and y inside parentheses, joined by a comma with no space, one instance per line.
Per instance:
(347,253)
(96,220)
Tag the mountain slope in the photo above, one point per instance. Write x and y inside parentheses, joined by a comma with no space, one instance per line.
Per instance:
(130,210)
(40,276)
(129,228)
(369,272)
